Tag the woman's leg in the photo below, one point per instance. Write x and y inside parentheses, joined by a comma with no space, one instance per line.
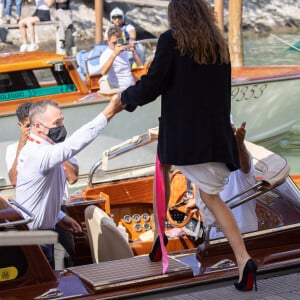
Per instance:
(30,25)
(228,225)
(22,27)
(211,178)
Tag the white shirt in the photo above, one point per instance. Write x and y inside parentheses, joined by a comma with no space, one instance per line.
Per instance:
(119,75)
(40,4)
(41,178)
(244,214)
(11,152)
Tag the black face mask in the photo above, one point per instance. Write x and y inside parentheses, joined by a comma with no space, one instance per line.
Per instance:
(57,134)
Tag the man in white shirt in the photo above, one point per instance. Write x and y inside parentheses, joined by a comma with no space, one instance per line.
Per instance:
(70,167)
(13,150)
(115,66)
(40,176)
(238,181)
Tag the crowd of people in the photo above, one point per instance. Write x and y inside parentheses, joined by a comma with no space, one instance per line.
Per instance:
(195,135)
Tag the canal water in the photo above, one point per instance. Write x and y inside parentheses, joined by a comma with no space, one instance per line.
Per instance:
(271,49)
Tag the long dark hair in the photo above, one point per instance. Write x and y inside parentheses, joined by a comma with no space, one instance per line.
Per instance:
(195,29)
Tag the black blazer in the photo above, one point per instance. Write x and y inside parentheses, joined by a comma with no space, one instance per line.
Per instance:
(194,126)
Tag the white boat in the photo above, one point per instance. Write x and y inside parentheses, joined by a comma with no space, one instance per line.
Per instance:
(267,98)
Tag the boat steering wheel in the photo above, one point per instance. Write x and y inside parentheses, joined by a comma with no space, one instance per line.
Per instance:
(178,199)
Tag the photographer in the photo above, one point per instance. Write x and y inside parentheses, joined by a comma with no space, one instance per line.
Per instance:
(115,65)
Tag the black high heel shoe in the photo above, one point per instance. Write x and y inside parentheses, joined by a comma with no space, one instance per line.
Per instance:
(156,254)
(249,277)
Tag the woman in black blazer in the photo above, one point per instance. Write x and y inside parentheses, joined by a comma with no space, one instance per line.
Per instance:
(191,71)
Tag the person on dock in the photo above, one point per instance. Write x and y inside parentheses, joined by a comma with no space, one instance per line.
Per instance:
(8,10)
(41,14)
(65,29)
(70,168)
(2,11)
(191,71)
(238,181)
(41,178)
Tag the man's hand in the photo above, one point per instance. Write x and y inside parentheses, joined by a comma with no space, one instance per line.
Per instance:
(24,133)
(70,224)
(113,107)
(191,205)
(240,134)
(245,158)
(71,172)
(119,48)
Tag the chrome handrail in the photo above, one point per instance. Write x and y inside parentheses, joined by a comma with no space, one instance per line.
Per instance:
(120,149)
(9,223)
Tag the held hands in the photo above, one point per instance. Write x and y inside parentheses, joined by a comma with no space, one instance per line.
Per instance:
(113,107)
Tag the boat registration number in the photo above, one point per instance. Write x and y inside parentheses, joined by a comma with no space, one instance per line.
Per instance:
(247,92)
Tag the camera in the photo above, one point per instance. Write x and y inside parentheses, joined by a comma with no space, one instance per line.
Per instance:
(122,42)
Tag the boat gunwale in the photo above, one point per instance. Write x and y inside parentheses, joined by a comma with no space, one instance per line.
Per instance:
(236,81)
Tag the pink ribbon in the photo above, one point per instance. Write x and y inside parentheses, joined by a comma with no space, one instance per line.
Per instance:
(160,211)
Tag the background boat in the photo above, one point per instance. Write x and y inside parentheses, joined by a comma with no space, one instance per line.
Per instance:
(267,98)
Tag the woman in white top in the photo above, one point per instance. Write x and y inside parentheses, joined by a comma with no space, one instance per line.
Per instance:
(41,14)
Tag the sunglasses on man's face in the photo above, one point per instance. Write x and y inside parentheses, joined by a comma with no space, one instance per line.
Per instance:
(117,17)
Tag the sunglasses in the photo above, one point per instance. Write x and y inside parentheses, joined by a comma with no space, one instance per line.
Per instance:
(117,17)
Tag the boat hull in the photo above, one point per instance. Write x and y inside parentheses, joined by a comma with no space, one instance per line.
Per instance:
(267,98)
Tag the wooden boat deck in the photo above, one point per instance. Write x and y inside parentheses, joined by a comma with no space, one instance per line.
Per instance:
(107,276)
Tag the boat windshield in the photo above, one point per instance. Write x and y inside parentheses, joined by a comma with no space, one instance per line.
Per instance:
(34,83)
